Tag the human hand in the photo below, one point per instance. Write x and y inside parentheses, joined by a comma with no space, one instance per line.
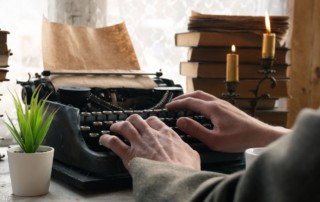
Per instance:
(233,131)
(150,139)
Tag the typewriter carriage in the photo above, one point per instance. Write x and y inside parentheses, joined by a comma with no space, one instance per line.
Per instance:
(103,98)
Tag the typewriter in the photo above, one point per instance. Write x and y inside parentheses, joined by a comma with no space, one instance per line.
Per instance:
(84,114)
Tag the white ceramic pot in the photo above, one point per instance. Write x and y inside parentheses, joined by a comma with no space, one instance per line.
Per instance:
(30,173)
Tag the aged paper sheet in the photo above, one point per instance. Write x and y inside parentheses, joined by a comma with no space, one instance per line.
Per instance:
(84,49)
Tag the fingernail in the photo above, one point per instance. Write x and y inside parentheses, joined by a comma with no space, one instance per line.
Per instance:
(182,123)
(100,139)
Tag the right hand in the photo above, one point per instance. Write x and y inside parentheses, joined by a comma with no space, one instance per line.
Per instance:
(150,139)
(233,131)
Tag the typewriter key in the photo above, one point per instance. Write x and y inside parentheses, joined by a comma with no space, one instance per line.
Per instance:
(85,128)
(85,113)
(93,135)
(96,113)
(108,123)
(107,112)
(97,123)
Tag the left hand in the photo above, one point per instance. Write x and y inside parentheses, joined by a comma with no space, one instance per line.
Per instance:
(233,131)
(150,139)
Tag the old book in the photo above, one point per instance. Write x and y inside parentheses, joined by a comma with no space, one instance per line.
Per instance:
(3,36)
(246,55)
(222,23)
(218,70)
(217,87)
(225,39)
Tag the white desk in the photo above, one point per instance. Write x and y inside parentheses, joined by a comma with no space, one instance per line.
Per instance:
(57,191)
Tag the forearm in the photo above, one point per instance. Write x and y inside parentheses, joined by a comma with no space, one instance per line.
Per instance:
(268,134)
(158,181)
(277,173)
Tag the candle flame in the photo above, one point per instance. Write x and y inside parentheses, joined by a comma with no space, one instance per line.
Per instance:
(233,48)
(267,20)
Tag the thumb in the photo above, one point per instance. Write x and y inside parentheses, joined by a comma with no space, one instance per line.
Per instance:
(194,129)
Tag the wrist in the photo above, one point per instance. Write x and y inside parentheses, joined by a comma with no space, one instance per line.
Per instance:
(272,133)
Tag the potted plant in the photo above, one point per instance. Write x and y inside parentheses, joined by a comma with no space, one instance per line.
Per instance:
(30,163)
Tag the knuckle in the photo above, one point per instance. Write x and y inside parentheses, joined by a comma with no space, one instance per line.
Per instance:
(198,92)
(152,119)
(108,140)
(120,126)
(112,140)
(167,130)
(189,100)
(216,106)
(133,117)
(126,124)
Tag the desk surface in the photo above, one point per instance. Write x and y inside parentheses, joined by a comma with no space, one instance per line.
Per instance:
(57,191)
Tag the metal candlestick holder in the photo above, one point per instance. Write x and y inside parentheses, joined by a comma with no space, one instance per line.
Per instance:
(266,69)
(231,87)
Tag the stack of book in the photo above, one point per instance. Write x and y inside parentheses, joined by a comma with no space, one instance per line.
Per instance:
(209,39)
(4,55)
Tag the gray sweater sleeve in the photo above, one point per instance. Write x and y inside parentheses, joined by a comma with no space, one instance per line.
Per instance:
(157,181)
(289,170)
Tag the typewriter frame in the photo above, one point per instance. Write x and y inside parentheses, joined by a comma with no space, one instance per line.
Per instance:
(78,165)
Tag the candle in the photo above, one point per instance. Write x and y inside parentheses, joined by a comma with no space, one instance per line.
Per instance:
(269,40)
(232,70)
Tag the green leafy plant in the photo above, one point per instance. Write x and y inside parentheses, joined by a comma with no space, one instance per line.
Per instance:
(33,120)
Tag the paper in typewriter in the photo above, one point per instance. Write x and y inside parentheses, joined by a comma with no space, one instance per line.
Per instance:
(68,48)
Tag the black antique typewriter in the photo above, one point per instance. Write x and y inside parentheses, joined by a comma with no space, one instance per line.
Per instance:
(84,114)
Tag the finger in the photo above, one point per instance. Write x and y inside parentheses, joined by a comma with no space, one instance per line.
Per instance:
(194,129)
(155,123)
(140,124)
(197,94)
(192,104)
(126,129)
(115,144)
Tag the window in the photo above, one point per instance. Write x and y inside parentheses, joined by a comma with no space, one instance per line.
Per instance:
(151,25)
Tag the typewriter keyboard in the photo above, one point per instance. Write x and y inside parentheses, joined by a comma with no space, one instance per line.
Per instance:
(95,124)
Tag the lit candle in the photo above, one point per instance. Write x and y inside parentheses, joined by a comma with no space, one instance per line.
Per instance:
(232,70)
(269,40)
